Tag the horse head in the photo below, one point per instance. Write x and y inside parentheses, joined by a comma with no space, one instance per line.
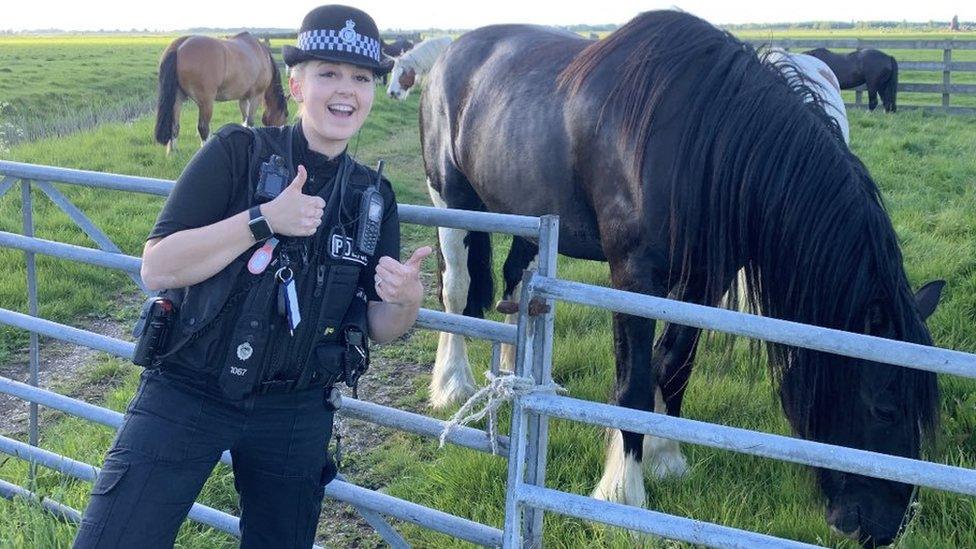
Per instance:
(889,411)
(401,80)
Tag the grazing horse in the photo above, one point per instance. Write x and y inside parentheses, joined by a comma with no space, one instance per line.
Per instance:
(813,72)
(413,64)
(397,48)
(876,69)
(206,70)
(393,50)
(669,150)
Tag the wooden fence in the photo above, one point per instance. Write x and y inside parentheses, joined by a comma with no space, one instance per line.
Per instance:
(947,66)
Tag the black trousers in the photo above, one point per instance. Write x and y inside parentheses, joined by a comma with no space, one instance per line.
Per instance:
(171,439)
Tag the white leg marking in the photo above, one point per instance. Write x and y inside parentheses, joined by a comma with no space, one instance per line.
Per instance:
(663,457)
(623,479)
(451,380)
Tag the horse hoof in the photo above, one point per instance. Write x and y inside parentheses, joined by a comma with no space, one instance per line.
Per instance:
(667,466)
(663,458)
(623,479)
(453,392)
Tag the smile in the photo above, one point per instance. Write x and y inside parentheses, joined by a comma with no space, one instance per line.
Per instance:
(341,110)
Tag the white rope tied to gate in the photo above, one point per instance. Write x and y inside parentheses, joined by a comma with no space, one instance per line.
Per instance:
(499,390)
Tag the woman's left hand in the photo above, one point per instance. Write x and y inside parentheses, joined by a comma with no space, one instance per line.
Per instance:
(399,283)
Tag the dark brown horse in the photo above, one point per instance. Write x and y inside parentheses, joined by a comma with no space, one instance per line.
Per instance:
(206,69)
(876,69)
(669,150)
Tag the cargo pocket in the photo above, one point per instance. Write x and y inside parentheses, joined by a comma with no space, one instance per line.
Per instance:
(327,364)
(109,477)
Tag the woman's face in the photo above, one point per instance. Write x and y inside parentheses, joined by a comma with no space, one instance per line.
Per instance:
(335,99)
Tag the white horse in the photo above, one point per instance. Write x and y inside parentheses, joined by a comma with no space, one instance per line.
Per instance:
(414,63)
(820,79)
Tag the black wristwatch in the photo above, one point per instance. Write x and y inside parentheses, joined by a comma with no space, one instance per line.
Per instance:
(260,227)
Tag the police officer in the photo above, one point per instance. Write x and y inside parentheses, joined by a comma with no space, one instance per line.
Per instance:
(276,290)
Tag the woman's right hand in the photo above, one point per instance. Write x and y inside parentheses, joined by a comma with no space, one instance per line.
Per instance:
(294,213)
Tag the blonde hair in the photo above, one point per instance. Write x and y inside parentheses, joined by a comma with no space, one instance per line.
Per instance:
(298,72)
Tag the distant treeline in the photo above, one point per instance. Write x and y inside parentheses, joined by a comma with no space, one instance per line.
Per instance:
(290,33)
(851,25)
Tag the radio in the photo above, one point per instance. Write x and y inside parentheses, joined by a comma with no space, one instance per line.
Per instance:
(370,216)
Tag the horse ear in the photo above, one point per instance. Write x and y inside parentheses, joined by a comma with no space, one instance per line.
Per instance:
(927,297)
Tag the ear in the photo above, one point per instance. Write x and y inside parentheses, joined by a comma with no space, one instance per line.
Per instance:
(295,88)
(927,297)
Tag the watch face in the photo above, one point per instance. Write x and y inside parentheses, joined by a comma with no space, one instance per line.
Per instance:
(260,229)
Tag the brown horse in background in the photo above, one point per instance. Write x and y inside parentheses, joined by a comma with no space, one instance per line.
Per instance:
(208,69)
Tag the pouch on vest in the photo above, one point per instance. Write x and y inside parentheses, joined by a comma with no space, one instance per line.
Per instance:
(323,358)
(248,342)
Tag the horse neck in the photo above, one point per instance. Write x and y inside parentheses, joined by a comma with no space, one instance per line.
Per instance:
(421,58)
(828,257)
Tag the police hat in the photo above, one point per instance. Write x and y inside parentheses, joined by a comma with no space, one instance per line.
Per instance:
(341,34)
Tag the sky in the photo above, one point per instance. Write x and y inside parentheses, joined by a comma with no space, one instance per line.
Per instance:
(167,15)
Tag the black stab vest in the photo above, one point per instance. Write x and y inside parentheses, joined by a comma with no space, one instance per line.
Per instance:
(256,345)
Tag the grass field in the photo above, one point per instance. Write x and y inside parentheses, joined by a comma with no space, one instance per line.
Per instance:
(55,86)
(924,164)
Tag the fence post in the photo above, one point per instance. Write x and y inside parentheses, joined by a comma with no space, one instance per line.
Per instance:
(946,60)
(538,425)
(25,193)
(512,534)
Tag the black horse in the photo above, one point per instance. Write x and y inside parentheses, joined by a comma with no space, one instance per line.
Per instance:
(397,48)
(669,150)
(876,69)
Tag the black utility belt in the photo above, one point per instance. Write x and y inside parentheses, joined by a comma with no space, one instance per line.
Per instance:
(330,363)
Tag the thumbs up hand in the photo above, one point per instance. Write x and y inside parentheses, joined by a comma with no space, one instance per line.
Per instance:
(399,283)
(293,213)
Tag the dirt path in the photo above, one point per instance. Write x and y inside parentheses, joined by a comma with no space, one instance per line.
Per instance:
(60,363)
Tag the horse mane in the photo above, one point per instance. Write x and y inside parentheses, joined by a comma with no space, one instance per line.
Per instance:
(421,57)
(274,91)
(762,180)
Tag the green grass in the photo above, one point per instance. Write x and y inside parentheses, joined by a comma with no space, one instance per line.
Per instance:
(923,163)
(55,86)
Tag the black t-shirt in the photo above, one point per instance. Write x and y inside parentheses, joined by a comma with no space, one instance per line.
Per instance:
(213,187)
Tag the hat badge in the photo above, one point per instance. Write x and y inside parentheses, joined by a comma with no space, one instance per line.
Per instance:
(347,34)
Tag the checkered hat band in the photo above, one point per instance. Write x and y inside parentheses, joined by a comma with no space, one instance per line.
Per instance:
(329,40)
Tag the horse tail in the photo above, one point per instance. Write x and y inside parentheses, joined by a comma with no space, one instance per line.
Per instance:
(481,291)
(275,92)
(891,86)
(169,85)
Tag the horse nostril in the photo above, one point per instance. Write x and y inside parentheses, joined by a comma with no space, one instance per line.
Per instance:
(845,520)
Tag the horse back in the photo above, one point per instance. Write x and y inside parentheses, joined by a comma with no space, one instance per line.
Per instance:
(845,67)
(224,69)
(875,64)
(492,110)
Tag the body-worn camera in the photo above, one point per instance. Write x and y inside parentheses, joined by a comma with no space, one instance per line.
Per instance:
(151,330)
(272,179)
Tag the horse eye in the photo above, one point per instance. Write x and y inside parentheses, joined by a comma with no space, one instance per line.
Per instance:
(888,414)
